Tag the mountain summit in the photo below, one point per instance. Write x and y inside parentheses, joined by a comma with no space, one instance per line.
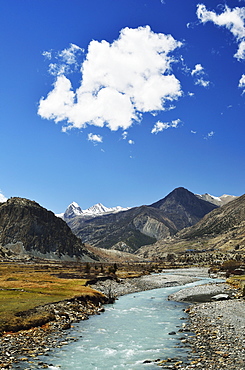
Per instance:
(183,207)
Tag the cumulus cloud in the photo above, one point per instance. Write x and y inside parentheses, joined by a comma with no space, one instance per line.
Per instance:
(95,138)
(120,81)
(242,83)
(160,126)
(232,19)
(130,141)
(2,197)
(199,76)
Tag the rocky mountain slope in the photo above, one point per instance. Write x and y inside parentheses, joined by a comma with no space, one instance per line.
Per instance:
(129,230)
(219,221)
(222,229)
(26,228)
(183,208)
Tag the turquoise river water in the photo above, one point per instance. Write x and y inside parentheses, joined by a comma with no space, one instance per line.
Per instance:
(133,329)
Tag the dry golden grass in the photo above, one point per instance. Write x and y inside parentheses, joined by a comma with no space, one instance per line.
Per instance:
(24,287)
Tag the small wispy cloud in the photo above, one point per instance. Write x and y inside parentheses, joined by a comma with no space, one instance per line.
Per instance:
(199,75)
(209,135)
(65,61)
(197,69)
(95,138)
(241,84)
(130,142)
(232,19)
(160,126)
(193,132)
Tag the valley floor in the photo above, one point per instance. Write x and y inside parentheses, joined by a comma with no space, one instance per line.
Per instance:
(217,341)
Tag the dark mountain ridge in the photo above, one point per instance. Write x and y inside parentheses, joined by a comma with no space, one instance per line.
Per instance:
(183,207)
(28,228)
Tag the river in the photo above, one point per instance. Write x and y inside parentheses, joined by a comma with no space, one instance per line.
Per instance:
(134,329)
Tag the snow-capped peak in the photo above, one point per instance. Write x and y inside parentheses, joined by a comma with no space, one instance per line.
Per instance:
(98,209)
(218,201)
(72,210)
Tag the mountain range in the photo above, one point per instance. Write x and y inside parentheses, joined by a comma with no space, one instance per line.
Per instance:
(144,225)
(98,209)
(179,221)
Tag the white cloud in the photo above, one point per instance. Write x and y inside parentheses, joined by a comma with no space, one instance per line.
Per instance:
(232,19)
(65,61)
(200,76)
(131,142)
(2,197)
(209,135)
(47,54)
(202,82)
(198,68)
(242,83)
(160,126)
(125,135)
(95,138)
(120,81)
(193,132)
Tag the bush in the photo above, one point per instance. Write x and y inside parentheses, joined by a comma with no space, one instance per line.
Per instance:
(230,265)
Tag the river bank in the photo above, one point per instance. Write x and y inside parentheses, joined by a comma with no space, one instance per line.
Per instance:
(27,345)
(203,321)
(218,327)
(214,331)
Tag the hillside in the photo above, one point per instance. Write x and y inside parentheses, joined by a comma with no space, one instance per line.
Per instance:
(129,230)
(223,229)
(28,228)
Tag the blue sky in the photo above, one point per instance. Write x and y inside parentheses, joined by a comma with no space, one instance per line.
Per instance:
(120,102)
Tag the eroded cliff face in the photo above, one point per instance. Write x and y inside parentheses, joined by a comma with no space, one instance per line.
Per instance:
(25,225)
(152,227)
